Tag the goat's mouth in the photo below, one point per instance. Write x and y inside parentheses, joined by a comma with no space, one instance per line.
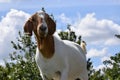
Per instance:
(42,34)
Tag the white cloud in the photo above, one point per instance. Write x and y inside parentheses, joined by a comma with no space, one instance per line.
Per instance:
(9,27)
(96,53)
(65,19)
(96,31)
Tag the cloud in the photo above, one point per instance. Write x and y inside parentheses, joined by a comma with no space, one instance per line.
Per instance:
(65,19)
(9,27)
(95,31)
(96,53)
(98,33)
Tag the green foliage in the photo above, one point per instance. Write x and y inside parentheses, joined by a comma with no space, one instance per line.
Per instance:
(118,36)
(96,75)
(90,68)
(112,69)
(22,64)
(70,35)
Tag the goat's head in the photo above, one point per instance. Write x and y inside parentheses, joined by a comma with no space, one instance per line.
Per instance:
(41,24)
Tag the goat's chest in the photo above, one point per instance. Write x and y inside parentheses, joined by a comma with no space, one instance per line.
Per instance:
(48,66)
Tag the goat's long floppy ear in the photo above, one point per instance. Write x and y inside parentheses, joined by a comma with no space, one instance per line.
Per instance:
(28,27)
(51,25)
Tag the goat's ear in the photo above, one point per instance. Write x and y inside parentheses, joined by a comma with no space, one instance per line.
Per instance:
(28,27)
(51,25)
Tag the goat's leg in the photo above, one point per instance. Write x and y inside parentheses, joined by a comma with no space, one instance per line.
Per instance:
(64,73)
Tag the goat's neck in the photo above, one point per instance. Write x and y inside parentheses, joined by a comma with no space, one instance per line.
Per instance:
(46,46)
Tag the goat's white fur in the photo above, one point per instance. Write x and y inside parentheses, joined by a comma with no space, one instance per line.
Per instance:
(68,60)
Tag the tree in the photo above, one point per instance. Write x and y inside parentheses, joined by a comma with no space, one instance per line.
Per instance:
(118,36)
(112,69)
(70,35)
(90,69)
(22,64)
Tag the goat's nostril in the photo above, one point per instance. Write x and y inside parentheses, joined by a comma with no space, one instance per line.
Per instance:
(42,28)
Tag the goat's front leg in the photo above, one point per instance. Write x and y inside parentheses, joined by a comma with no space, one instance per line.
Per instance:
(43,76)
(64,73)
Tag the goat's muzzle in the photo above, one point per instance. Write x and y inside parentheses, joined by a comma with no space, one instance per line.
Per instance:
(42,30)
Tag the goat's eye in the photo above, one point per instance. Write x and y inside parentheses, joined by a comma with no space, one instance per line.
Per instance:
(33,19)
(41,19)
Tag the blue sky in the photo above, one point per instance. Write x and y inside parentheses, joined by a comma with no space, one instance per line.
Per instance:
(96,20)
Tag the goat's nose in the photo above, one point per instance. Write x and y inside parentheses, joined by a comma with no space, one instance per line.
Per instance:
(43,28)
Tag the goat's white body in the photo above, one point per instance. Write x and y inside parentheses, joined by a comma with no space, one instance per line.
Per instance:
(68,59)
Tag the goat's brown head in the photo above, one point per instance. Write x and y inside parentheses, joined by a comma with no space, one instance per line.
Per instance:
(41,24)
